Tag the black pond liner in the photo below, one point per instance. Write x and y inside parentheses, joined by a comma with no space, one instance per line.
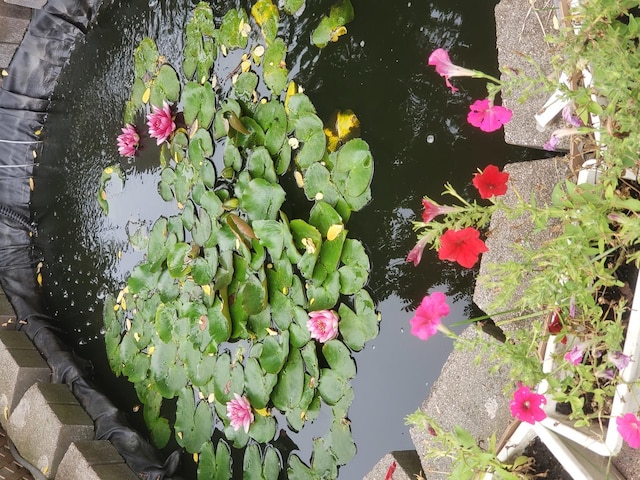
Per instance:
(24,100)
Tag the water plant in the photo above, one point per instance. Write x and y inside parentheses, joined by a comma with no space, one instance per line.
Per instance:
(246,317)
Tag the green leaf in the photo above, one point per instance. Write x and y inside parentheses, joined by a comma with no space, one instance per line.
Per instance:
(309,131)
(223,461)
(332,27)
(206,462)
(252,463)
(341,442)
(323,462)
(326,295)
(267,17)
(292,6)
(260,165)
(198,102)
(263,428)
(339,358)
(275,71)
(245,85)
(106,177)
(199,49)
(176,259)
(142,278)
(271,463)
(298,470)
(258,390)
(275,351)
(166,317)
(355,271)
(353,172)
(166,86)
(288,391)
(261,199)
(318,184)
(231,31)
(332,386)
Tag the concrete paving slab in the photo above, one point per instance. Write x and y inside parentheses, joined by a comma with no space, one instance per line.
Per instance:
(42,431)
(407,466)
(12,29)
(93,460)
(537,178)
(521,26)
(22,366)
(14,11)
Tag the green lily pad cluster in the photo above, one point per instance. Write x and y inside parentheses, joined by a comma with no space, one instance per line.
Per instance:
(221,302)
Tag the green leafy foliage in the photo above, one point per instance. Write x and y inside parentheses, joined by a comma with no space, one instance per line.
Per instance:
(332,27)
(220,304)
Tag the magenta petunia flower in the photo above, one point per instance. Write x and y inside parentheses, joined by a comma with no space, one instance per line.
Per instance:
(570,117)
(160,122)
(128,141)
(619,359)
(415,255)
(488,117)
(551,144)
(426,320)
(526,405)
(629,428)
(574,356)
(440,59)
(323,325)
(239,413)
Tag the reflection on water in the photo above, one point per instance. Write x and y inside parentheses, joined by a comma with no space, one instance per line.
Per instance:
(416,130)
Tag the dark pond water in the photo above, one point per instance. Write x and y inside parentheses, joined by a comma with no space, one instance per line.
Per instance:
(416,130)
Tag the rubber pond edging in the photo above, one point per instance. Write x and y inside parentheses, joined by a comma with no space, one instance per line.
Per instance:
(24,101)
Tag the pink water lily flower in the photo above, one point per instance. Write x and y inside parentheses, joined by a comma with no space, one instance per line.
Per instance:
(128,141)
(323,325)
(239,413)
(160,122)
(629,428)
(440,59)
(526,405)
(488,117)
(426,321)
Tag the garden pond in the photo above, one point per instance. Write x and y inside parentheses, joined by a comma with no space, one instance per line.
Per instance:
(411,123)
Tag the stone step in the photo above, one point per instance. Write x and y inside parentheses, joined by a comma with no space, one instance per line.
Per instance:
(10,10)
(22,366)
(407,466)
(37,4)
(45,423)
(93,460)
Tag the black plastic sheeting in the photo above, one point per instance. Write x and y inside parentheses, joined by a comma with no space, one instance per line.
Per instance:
(24,100)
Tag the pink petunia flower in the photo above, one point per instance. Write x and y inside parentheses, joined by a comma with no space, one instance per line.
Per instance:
(574,356)
(128,141)
(619,359)
(426,321)
(160,122)
(629,428)
(551,144)
(239,413)
(323,325)
(488,117)
(526,405)
(570,117)
(415,255)
(440,59)
(431,210)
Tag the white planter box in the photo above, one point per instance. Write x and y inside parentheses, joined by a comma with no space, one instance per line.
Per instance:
(577,461)
(600,439)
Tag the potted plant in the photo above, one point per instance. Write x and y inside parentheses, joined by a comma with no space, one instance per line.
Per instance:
(577,278)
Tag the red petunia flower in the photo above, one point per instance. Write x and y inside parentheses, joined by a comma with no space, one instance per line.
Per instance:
(488,117)
(462,246)
(491,182)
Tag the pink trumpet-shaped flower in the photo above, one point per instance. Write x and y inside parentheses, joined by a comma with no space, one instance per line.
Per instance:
(619,359)
(629,428)
(323,325)
(526,405)
(440,59)
(574,356)
(431,210)
(415,255)
(488,117)
(426,321)
(239,413)
(160,122)
(128,141)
